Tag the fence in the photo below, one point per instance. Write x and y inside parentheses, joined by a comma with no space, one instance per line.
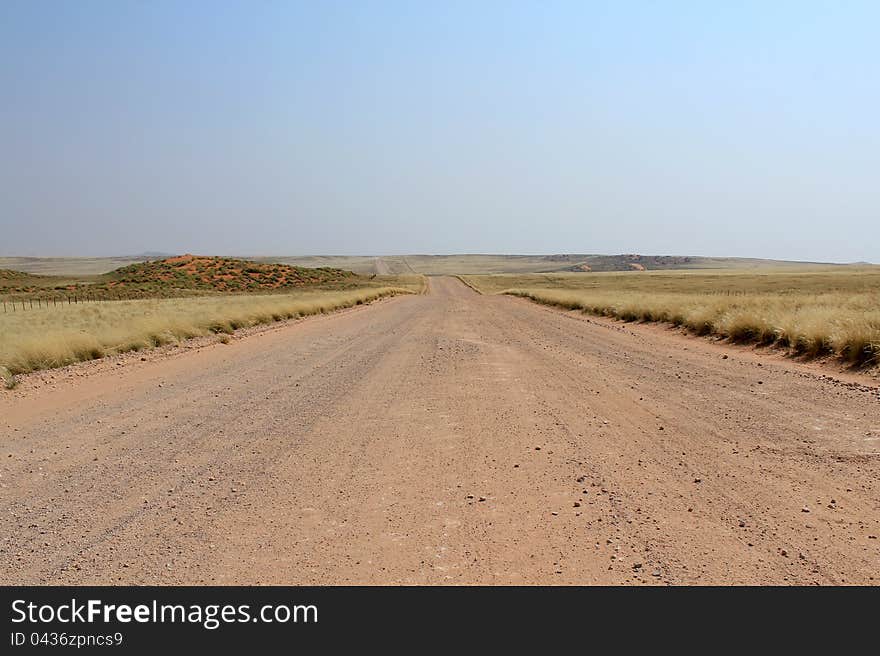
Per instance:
(60,300)
(18,304)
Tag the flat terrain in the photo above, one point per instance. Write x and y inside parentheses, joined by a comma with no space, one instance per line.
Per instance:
(442,438)
(78,267)
(494,263)
(69,266)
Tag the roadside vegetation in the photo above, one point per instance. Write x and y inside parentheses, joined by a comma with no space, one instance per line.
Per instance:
(55,337)
(826,311)
(147,304)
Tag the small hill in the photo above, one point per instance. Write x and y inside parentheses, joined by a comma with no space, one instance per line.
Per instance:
(634,262)
(219,274)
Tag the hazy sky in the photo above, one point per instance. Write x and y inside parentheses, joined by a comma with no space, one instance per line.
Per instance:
(714,128)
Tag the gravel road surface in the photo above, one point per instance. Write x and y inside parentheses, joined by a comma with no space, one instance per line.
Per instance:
(449,438)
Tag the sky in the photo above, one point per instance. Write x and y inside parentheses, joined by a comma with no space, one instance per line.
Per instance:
(281,128)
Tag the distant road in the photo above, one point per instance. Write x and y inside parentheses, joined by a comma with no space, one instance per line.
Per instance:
(444,438)
(382,267)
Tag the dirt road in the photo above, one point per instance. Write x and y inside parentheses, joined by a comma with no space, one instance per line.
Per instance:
(446,438)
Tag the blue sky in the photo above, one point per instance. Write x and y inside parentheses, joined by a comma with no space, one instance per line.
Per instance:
(746,128)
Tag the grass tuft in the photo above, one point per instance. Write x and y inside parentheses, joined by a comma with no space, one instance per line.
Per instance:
(9,381)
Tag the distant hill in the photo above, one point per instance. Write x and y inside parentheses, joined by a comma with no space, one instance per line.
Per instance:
(635,262)
(560,262)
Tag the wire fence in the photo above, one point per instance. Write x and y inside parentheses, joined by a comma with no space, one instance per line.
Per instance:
(22,304)
(18,304)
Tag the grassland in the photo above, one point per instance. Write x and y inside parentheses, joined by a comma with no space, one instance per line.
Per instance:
(54,337)
(822,311)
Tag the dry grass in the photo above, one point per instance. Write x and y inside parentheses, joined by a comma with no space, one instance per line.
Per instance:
(412,282)
(54,337)
(7,378)
(827,311)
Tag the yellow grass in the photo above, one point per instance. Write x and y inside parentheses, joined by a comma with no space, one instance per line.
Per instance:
(827,311)
(412,282)
(54,337)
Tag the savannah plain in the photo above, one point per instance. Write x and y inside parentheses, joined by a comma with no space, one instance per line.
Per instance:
(568,419)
